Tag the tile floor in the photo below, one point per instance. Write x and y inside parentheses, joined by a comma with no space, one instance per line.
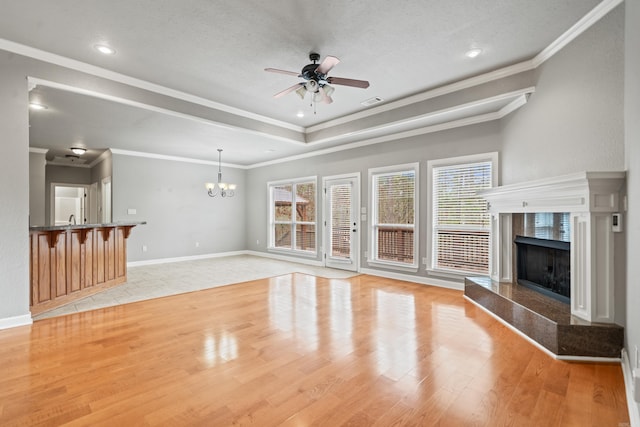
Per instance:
(153,281)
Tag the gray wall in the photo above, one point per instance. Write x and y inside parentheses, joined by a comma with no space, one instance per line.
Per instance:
(170,196)
(14,186)
(37,196)
(574,120)
(475,139)
(98,173)
(632,139)
(102,170)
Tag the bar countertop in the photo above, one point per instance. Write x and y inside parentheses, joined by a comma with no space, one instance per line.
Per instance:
(85,226)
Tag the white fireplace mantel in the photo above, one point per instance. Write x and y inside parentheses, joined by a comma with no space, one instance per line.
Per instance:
(590,198)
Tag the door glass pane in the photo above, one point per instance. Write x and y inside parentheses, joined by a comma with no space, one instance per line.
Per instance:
(341,221)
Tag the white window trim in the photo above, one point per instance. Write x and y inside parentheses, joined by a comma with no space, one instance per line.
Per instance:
(452,161)
(372,210)
(271,219)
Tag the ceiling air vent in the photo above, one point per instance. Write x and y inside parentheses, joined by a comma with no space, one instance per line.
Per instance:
(371,101)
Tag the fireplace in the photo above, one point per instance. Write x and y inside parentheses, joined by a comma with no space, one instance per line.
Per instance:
(569,247)
(586,202)
(544,266)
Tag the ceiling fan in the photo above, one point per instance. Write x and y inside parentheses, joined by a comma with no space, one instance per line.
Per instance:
(316,80)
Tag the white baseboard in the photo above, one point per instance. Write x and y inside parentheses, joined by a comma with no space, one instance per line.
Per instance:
(279,257)
(442,283)
(184,258)
(12,322)
(634,410)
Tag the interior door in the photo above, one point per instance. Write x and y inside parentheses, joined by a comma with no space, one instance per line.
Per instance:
(342,225)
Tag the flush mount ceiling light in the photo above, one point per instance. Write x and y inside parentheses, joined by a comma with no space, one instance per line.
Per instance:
(222,188)
(36,106)
(78,150)
(472,53)
(104,49)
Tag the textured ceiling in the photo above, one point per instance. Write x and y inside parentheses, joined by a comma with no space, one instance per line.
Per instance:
(217,50)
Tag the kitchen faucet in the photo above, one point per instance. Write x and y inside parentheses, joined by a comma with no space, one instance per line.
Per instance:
(72,217)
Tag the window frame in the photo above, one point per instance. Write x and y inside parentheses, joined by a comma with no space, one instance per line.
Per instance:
(491,157)
(372,234)
(294,222)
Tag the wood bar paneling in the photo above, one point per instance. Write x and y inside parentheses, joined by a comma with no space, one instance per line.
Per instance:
(70,264)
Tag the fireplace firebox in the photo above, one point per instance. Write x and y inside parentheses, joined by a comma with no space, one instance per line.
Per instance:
(544,266)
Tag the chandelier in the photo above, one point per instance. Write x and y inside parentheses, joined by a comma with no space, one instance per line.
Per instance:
(222,188)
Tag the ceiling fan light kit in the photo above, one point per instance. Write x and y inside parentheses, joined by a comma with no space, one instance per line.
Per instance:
(316,80)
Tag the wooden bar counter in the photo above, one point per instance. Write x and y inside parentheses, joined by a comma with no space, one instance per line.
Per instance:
(70,262)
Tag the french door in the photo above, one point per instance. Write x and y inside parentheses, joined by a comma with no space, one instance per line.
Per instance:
(341,235)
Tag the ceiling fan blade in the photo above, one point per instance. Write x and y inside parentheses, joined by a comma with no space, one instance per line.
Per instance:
(327,64)
(288,90)
(348,82)
(289,73)
(325,97)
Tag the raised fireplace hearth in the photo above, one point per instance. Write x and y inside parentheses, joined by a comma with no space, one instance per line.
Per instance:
(545,320)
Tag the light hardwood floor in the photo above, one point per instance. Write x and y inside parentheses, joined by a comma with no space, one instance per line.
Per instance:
(296,350)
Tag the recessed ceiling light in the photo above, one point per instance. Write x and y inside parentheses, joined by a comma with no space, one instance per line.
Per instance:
(104,49)
(472,53)
(300,114)
(36,106)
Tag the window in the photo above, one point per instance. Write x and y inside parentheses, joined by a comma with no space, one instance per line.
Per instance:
(293,216)
(459,220)
(393,216)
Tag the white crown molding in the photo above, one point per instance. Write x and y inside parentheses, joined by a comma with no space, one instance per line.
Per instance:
(477,103)
(174,158)
(84,67)
(401,135)
(38,150)
(578,28)
(581,26)
(103,156)
(467,121)
(68,88)
(515,104)
(433,93)
(70,165)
